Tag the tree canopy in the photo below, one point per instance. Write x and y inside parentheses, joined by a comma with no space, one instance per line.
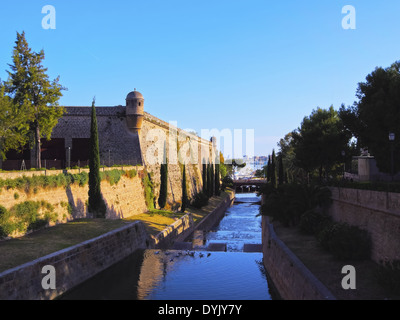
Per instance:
(320,140)
(13,124)
(29,85)
(376,114)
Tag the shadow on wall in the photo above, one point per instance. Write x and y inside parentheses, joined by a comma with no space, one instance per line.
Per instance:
(79,209)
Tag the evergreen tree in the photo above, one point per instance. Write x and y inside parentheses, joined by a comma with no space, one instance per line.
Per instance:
(281,176)
(96,205)
(205,185)
(31,89)
(273,170)
(209,181)
(217,180)
(162,198)
(13,125)
(269,172)
(185,199)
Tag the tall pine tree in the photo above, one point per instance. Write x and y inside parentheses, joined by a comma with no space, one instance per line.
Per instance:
(97,205)
(31,89)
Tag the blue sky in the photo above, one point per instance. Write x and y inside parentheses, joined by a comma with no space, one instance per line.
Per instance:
(254,64)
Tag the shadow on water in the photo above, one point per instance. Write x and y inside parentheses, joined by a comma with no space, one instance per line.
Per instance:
(190,275)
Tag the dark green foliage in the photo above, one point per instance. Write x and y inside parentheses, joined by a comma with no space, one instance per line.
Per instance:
(227,182)
(345,241)
(162,198)
(3,216)
(281,175)
(200,200)
(319,141)
(185,199)
(96,204)
(205,184)
(31,88)
(26,216)
(269,172)
(312,222)
(274,178)
(388,276)
(376,114)
(217,180)
(288,202)
(210,189)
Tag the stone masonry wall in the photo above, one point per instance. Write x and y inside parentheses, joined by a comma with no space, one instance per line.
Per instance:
(156,137)
(123,200)
(73,265)
(289,275)
(374,211)
(116,142)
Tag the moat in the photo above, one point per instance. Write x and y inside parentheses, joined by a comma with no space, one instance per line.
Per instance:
(194,274)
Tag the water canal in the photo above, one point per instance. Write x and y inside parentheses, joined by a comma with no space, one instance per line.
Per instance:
(193,275)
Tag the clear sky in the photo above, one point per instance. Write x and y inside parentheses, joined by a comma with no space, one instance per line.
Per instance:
(224,64)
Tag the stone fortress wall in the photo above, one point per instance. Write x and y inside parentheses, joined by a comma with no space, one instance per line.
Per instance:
(130,136)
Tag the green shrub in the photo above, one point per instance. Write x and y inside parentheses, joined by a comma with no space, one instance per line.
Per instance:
(3,216)
(388,276)
(25,216)
(227,182)
(148,187)
(312,222)
(131,173)
(200,200)
(345,241)
(112,176)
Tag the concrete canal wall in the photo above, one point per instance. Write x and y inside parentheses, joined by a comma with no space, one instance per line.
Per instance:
(289,275)
(73,265)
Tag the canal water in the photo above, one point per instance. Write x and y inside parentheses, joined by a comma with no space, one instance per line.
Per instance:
(191,275)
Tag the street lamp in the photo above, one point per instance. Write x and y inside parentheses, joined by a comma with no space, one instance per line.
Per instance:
(392,137)
(344,163)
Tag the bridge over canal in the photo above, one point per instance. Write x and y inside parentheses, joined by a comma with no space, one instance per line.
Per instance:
(248,185)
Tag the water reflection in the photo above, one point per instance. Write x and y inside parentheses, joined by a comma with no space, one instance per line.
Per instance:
(190,275)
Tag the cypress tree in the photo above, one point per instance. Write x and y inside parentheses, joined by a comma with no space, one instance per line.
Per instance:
(281,175)
(96,203)
(205,179)
(185,199)
(217,181)
(209,181)
(269,172)
(273,170)
(162,198)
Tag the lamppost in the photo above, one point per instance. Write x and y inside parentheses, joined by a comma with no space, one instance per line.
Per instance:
(68,157)
(344,163)
(392,137)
